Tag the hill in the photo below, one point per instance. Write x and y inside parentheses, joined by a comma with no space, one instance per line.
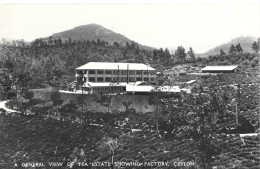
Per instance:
(245,42)
(94,32)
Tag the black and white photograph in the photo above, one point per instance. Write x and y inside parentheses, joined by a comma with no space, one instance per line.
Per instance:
(130,84)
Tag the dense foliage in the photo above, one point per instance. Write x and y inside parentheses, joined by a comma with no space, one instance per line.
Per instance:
(53,61)
(191,127)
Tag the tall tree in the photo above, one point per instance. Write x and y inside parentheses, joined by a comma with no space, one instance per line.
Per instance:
(239,48)
(180,53)
(167,56)
(256,46)
(50,40)
(232,49)
(116,44)
(222,53)
(141,58)
(108,147)
(56,98)
(191,54)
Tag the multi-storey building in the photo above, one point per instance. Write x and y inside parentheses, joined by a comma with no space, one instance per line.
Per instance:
(113,77)
(115,72)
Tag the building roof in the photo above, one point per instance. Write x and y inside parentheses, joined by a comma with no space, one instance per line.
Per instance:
(191,81)
(172,89)
(106,84)
(131,88)
(114,66)
(220,68)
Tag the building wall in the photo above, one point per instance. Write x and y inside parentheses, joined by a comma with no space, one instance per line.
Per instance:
(102,89)
(99,76)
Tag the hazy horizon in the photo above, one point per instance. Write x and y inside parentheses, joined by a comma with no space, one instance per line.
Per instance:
(200,26)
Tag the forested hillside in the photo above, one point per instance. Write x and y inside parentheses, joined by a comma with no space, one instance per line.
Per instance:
(93,32)
(56,60)
(245,42)
(53,62)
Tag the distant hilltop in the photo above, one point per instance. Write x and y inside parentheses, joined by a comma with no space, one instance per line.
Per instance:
(245,42)
(94,32)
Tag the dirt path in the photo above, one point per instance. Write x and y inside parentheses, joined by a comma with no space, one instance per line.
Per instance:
(3,106)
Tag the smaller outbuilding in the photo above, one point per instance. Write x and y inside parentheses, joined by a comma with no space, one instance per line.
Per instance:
(220,69)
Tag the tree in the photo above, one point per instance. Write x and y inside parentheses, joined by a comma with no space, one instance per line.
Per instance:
(103,99)
(127,105)
(191,54)
(81,100)
(22,80)
(167,56)
(202,113)
(50,40)
(180,53)
(106,101)
(140,58)
(255,46)
(239,48)
(222,53)
(232,49)
(108,147)
(156,99)
(116,44)
(9,64)
(56,98)
(98,42)
(28,95)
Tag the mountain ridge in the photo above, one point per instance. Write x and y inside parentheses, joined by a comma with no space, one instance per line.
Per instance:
(245,42)
(94,32)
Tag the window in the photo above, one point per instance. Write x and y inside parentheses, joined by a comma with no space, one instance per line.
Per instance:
(131,79)
(115,79)
(151,79)
(145,79)
(92,71)
(100,72)
(131,72)
(138,72)
(124,72)
(92,79)
(108,72)
(123,79)
(100,79)
(108,79)
(116,72)
(146,72)
(138,79)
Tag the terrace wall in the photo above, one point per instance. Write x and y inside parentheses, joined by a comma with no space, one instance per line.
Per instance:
(138,102)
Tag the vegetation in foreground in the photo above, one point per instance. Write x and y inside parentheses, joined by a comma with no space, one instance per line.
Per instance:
(190,127)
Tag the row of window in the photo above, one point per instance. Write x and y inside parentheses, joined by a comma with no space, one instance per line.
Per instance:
(116,79)
(105,89)
(122,72)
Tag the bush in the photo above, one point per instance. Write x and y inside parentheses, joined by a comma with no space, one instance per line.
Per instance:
(246,62)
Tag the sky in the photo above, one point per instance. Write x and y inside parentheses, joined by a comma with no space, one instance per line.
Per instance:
(201,26)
